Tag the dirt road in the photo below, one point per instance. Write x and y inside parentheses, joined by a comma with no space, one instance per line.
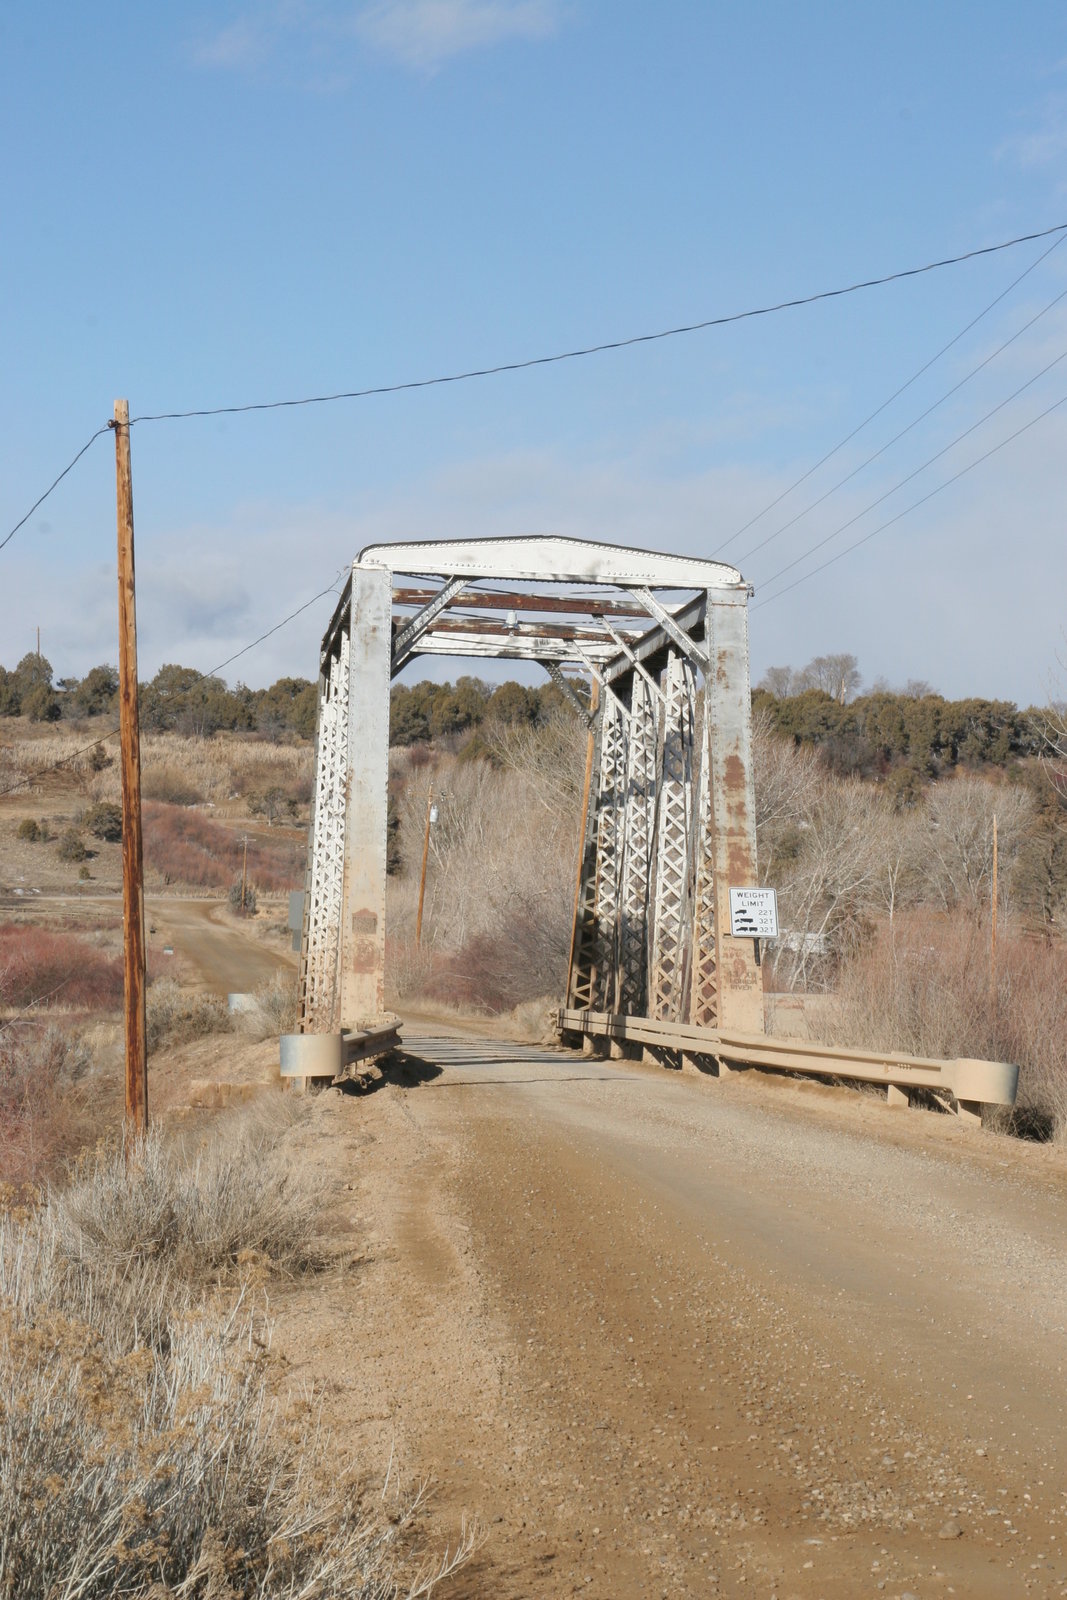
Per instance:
(227,958)
(679,1337)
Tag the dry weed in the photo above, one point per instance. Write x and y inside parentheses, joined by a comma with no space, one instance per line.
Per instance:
(925,988)
(149,1451)
(273,1008)
(176,1015)
(41,1070)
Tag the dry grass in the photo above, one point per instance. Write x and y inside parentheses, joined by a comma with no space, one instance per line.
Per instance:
(176,1015)
(924,987)
(194,1217)
(42,1071)
(273,1009)
(219,769)
(160,1457)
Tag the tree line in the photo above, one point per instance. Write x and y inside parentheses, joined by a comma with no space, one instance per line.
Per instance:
(179,700)
(901,736)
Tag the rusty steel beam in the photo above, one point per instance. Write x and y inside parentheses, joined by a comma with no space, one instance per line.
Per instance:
(362,922)
(566,689)
(518,630)
(404,638)
(487,600)
(639,814)
(672,913)
(581,968)
(319,988)
(610,812)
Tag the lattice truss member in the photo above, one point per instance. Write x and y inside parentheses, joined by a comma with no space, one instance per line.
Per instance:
(651,651)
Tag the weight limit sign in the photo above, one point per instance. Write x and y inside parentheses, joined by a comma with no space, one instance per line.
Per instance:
(754,913)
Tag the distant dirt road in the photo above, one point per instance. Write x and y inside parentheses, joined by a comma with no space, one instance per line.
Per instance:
(228,958)
(679,1337)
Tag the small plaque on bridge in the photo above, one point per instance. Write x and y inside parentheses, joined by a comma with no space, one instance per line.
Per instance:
(754,913)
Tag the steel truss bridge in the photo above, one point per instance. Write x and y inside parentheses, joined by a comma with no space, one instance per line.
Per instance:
(668,812)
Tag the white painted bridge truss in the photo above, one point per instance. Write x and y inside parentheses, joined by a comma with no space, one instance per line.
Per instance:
(668,814)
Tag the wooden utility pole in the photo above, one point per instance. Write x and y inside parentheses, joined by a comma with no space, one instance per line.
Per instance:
(422,874)
(132,851)
(993,930)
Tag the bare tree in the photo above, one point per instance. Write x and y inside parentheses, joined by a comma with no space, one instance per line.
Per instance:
(778,681)
(959,865)
(786,779)
(900,850)
(837,675)
(549,758)
(828,892)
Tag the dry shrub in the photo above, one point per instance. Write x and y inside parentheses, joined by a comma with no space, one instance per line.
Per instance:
(522,960)
(273,1008)
(182,1473)
(195,1215)
(40,1067)
(162,781)
(500,886)
(176,1015)
(186,847)
(172,1465)
(38,967)
(924,989)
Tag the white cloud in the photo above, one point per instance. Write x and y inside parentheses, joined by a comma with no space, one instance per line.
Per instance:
(1042,144)
(242,45)
(420,34)
(426,33)
(964,592)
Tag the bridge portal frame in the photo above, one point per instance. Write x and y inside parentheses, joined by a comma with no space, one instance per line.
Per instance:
(669,821)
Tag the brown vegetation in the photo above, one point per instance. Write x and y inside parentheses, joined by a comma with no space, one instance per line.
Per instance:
(187,847)
(500,884)
(39,967)
(148,1446)
(43,1118)
(926,986)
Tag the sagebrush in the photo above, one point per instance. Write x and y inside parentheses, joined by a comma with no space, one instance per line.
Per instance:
(163,1458)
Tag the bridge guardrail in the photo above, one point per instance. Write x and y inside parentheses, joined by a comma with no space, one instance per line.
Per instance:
(970,1083)
(326,1056)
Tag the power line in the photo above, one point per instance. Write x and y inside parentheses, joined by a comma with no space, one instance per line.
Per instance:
(906,430)
(53,485)
(977,462)
(65,761)
(573,355)
(945,348)
(599,349)
(828,538)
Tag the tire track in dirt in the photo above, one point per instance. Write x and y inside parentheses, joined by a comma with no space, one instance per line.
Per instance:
(679,1342)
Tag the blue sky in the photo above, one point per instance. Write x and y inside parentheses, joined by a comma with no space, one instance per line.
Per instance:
(213,204)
